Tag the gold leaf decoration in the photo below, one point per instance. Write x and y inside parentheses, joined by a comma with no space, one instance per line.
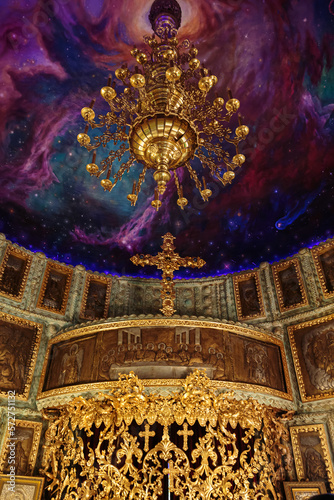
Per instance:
(193,444)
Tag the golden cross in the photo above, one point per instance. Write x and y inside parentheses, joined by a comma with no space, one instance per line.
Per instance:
(146,433)
(185,433)
(168,261)
(172,472)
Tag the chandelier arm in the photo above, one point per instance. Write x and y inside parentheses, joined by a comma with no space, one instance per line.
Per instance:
(93,124)
(220,178)
(125,167)
(193,176)
(113,155)
(181,201)
(234,140)
(205,160)
(141,179)
(216,152)
(177,184)
(103,139)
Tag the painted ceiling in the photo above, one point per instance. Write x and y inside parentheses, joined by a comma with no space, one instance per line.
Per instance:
(277,57)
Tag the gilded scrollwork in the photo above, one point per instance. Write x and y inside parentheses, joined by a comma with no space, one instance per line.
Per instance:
(189,444)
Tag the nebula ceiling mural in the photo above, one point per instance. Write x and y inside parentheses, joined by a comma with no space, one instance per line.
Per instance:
(277,56)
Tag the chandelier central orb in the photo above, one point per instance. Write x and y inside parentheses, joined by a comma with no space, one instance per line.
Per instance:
(164,118)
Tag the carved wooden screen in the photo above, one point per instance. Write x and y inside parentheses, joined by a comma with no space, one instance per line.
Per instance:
(192,445)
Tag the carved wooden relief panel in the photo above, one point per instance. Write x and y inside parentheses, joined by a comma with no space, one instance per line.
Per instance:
(14,272)
(289,285)
(323,256)
(248,296)
(27,435)
(96,297)
(26,488)
(311,453)
(312,345)
(71,362)
(19,343)
(155,350)
(55,288)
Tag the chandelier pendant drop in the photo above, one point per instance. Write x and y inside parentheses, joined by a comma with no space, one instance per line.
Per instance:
(164,118)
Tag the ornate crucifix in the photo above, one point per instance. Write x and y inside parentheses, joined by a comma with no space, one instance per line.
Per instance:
(168,261)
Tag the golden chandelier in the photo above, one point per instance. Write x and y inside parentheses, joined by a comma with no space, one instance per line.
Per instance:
(164,119)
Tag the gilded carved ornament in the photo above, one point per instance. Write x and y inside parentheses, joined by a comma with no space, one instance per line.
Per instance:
(210,463)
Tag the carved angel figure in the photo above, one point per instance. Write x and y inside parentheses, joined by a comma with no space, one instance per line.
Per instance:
(71,366)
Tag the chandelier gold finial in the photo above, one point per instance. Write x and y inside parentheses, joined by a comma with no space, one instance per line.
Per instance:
(164,118)
(168,261)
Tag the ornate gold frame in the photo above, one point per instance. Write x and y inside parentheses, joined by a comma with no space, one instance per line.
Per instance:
(316,252)
(320,429)
(86,330)
(300,379)
(314,488)
(17,252)
(37,431)
(99,279)
(68,272)
(38,482)
(244,277)
(24,322)
(276,268)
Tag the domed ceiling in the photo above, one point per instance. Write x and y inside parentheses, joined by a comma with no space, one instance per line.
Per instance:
(277,57)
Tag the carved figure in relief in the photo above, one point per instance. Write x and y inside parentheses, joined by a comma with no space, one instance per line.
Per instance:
(96,299)
(290,286)
(212,358)
(55,290)
(315,465)
(129,354)
(12,275)
(250,304)
(196,356)
(139,352)
(257,361)
(184,354)
(21,459)
(121,351)
(14,352)
(220,366)
(150,352)
(161,355)
(23,445)
(71,366)
(318,352)
(173,356)
(106,362)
